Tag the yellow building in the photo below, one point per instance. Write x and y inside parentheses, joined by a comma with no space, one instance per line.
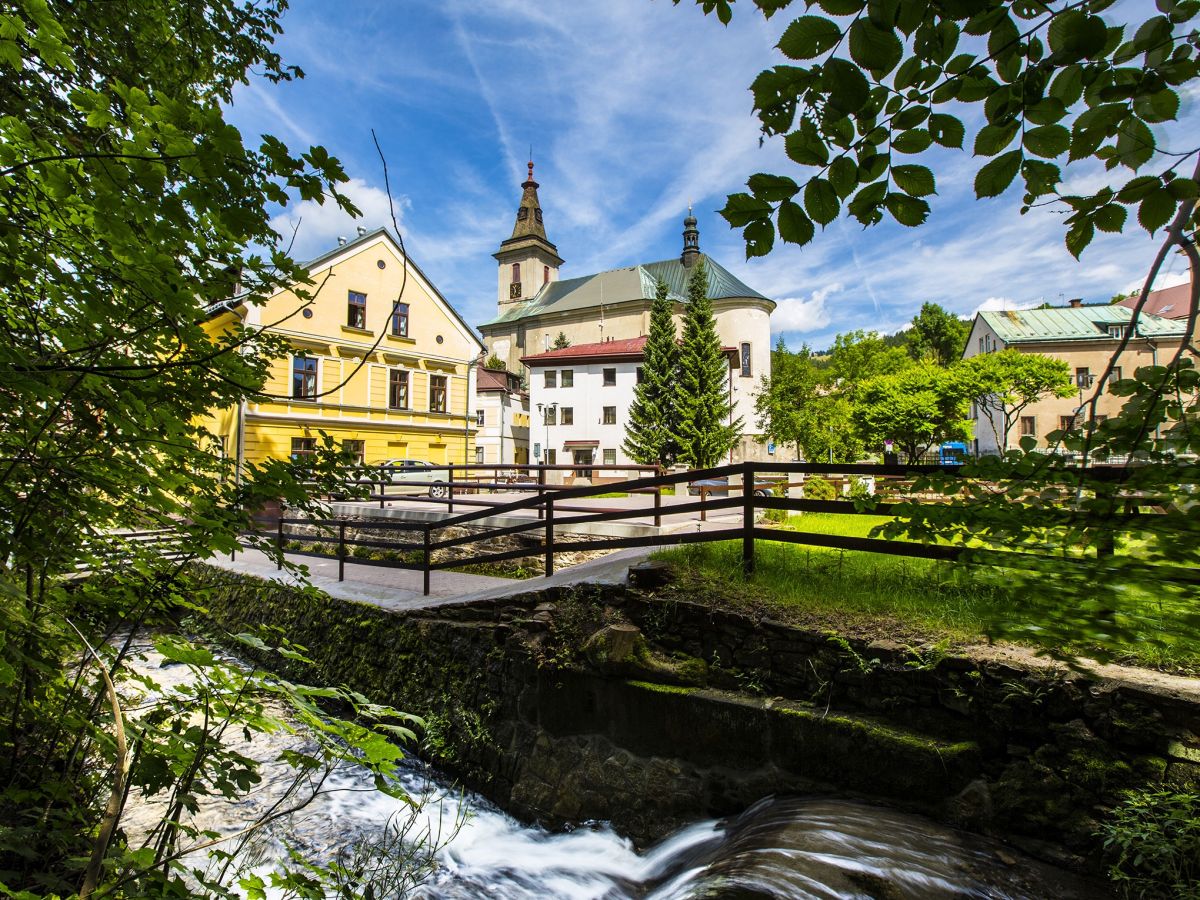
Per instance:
(387,379)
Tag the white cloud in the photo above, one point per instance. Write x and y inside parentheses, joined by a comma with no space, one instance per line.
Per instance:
(999,304)
(798,314)
(319,225)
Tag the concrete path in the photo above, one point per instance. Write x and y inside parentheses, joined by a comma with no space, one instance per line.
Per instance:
(400,589)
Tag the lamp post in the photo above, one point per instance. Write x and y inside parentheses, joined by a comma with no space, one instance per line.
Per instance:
(543,409)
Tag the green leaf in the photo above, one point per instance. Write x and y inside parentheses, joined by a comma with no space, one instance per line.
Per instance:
(906,210)
(1135,144)
(994,138)
(1079,237)
(804,146)
(821,201)
(1076,35)
(794,226)
(1110,218)
(1161,106)
(841,7)
(946,130)
(994,178)
(846,85)
(916,181)
(1138,188)
(843,175)
(1156,210)
(809,36)
(742,209)
(912,141)
(760,237)
(1048,141)
(874,48)
(772,188)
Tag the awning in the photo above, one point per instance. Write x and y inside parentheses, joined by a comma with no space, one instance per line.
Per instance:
(571,444)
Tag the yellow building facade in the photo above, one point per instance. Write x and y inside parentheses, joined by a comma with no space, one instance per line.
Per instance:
(379,360)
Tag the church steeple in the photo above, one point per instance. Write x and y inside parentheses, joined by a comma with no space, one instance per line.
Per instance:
(528,261)
(529,213)
(691,240)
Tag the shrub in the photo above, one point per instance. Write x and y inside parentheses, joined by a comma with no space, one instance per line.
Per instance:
(817,488)
(1154,838)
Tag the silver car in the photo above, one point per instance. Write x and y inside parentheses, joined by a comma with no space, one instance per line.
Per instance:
(414,476)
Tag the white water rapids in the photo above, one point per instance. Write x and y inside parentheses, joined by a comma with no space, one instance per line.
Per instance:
(814,847)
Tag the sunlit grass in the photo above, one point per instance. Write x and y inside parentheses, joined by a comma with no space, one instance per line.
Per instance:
(914,599)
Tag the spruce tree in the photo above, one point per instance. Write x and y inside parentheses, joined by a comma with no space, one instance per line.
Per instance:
(653,420)
(705,432)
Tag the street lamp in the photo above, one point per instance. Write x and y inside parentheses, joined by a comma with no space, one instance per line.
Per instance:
(543,409)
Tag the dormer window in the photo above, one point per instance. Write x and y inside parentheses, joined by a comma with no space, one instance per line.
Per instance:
(537,214)
(1117,331)
(522,214)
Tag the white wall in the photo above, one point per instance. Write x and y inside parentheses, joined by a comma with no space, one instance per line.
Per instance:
(587,398)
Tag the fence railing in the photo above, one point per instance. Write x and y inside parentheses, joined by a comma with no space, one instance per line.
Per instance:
(559,513)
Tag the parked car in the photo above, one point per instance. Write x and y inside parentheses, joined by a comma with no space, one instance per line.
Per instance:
(719,487)
(414,476)
(952,453)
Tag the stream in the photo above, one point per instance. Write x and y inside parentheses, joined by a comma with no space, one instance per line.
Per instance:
(790,847)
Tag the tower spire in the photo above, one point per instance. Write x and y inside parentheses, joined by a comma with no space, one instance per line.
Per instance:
(691,240)
(529,213)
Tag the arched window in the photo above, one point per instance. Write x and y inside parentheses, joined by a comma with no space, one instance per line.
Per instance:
(516,273)
(545,274)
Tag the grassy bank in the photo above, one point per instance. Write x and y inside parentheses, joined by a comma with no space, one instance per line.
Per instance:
(909,600)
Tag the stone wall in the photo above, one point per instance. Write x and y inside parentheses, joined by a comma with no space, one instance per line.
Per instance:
(715,710)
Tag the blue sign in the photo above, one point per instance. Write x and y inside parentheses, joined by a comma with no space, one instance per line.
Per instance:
(537,451)
(771,448)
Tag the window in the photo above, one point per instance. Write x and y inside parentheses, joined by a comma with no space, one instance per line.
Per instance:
(479,456)
(1117,331)
(437,393)
(1115,376)
(304,378)
(1083,377)
(551,457)
(303,448)
(550,415)
(521,337)
(568,415)
(1028,426)
(516,273)
(480,419)
(641,374)
(551,377)
(397,389)
(400,320)
(981,345)
(568,378)
(356,310)
(610,415)
(746,372)
(610,377)
(354,451)
(610,457)
(545,274)
(1067,423)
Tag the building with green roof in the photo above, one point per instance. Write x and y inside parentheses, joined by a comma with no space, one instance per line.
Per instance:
(535,306)
(1085,337)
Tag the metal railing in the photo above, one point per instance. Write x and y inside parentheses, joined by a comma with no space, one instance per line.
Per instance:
(558,511)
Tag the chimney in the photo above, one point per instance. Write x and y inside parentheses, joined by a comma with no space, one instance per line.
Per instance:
(1076,302)
(341,241)
(361,231)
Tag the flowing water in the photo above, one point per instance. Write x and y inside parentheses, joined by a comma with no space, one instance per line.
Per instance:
(801,847)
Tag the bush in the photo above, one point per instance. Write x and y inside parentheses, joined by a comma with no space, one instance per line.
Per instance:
(817,488)
(1154,837)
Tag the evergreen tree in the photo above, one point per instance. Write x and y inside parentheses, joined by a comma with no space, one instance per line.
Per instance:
(653,417)
(706,430)
(562,342)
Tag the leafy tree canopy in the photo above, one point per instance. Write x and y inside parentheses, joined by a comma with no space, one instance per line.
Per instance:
(937,334)
(917,407)
(1005,383)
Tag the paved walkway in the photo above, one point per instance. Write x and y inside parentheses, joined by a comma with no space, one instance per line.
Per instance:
(400,589)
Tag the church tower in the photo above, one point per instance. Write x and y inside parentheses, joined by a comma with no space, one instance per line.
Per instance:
(527,260)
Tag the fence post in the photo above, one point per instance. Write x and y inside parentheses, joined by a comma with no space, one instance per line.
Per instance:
(541,486)
(342,552)
(450,487)
(279,541)
(549,564)
(425,560)
(703,503)
(658,498)
(747,518)
(382,492)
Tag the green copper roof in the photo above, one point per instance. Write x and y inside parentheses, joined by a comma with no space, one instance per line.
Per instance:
(1073,324)
(621,285)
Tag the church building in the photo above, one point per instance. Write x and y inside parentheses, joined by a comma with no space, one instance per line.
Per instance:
(536,306)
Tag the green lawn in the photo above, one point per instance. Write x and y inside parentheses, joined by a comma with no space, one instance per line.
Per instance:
(916,600)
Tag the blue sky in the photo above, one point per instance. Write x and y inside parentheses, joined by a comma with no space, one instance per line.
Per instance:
(633,108)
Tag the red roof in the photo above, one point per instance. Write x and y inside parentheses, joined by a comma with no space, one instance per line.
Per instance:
(1170,303)
(491,380)
(628,348)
